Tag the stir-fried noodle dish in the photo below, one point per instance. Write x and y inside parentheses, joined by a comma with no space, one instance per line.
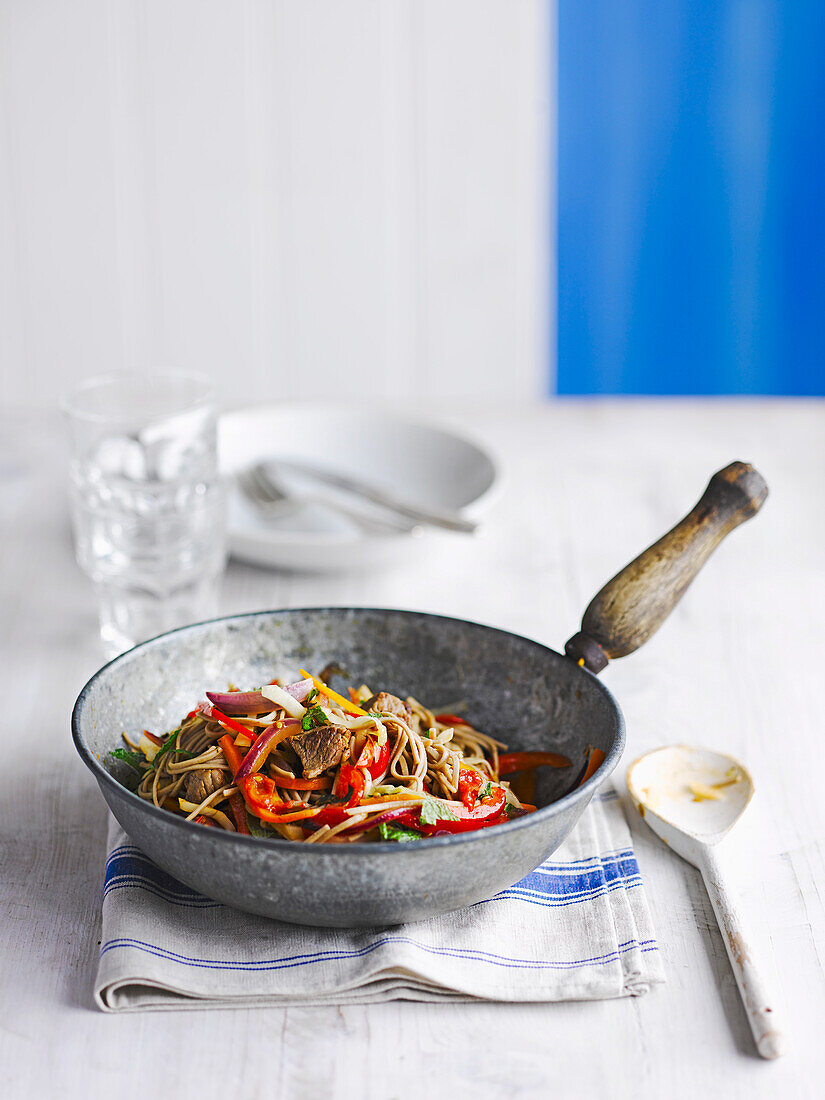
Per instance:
(304,763)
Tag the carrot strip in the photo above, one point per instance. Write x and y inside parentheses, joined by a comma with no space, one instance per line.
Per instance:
(593,764)
(233,756)
(350,708)
(301,784)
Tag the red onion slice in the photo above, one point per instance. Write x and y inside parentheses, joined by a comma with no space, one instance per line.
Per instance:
(247,702)
(239,702)
(262,745)
(299,690)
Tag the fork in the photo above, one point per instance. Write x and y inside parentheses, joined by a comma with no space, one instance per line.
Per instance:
(270,499)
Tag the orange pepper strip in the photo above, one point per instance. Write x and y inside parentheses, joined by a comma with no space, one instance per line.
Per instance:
(349,707)
(301,784)
(593,764)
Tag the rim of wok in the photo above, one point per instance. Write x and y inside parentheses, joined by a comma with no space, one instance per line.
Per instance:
(377,847)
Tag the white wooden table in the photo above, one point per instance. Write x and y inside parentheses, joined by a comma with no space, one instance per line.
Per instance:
(587,486)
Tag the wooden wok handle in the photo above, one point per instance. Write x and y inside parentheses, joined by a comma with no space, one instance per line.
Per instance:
(634,604)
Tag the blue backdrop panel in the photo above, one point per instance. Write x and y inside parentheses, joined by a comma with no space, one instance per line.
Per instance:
(691,197)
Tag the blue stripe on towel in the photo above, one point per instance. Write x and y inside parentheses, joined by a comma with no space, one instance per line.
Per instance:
(552,885)
(290,961)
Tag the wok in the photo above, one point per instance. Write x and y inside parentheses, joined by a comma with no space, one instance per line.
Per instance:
(518,690)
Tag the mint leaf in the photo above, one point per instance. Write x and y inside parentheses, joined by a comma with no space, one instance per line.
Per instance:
(399,833)
(132,778)
(133,759)
(432,811)
(168,744)
(314,717)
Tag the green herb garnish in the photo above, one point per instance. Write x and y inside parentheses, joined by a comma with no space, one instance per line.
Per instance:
(485,791)
(133,759)
(312,695)
(314,717)
(432,811)
(399,833)
(167,745)
(132,778)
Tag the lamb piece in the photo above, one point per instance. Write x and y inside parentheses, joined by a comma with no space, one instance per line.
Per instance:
(385,703)
(200,784)
(320,749)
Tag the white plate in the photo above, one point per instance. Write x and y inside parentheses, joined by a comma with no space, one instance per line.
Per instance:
(422,463)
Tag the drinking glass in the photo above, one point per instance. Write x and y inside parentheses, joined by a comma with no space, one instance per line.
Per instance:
(146,500)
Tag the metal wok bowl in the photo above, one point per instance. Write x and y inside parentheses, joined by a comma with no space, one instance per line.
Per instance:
(527,695)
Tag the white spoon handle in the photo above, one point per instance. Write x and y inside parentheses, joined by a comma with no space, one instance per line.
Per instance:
(758,999)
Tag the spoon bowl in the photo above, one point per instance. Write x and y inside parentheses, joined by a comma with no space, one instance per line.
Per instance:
(690,797)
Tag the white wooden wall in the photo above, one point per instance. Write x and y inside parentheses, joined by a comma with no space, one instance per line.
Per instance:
(294,196)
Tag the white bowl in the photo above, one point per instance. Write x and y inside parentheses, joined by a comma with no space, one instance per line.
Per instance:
(420,462)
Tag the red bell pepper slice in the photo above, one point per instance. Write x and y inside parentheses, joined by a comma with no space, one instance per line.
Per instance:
(374,757)
(478,817)
(381,755)
(228,723)
(319,784)
(451,720)
(330,815)
(236,804)
(350,776)
(261,795)
(469,784)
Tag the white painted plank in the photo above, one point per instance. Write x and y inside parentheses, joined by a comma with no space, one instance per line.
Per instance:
(59,268)
(485,75)
(291,197)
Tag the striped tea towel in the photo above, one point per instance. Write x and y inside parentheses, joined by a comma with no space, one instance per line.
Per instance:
(577,928)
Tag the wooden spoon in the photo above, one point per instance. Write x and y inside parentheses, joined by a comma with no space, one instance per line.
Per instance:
(692,798)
